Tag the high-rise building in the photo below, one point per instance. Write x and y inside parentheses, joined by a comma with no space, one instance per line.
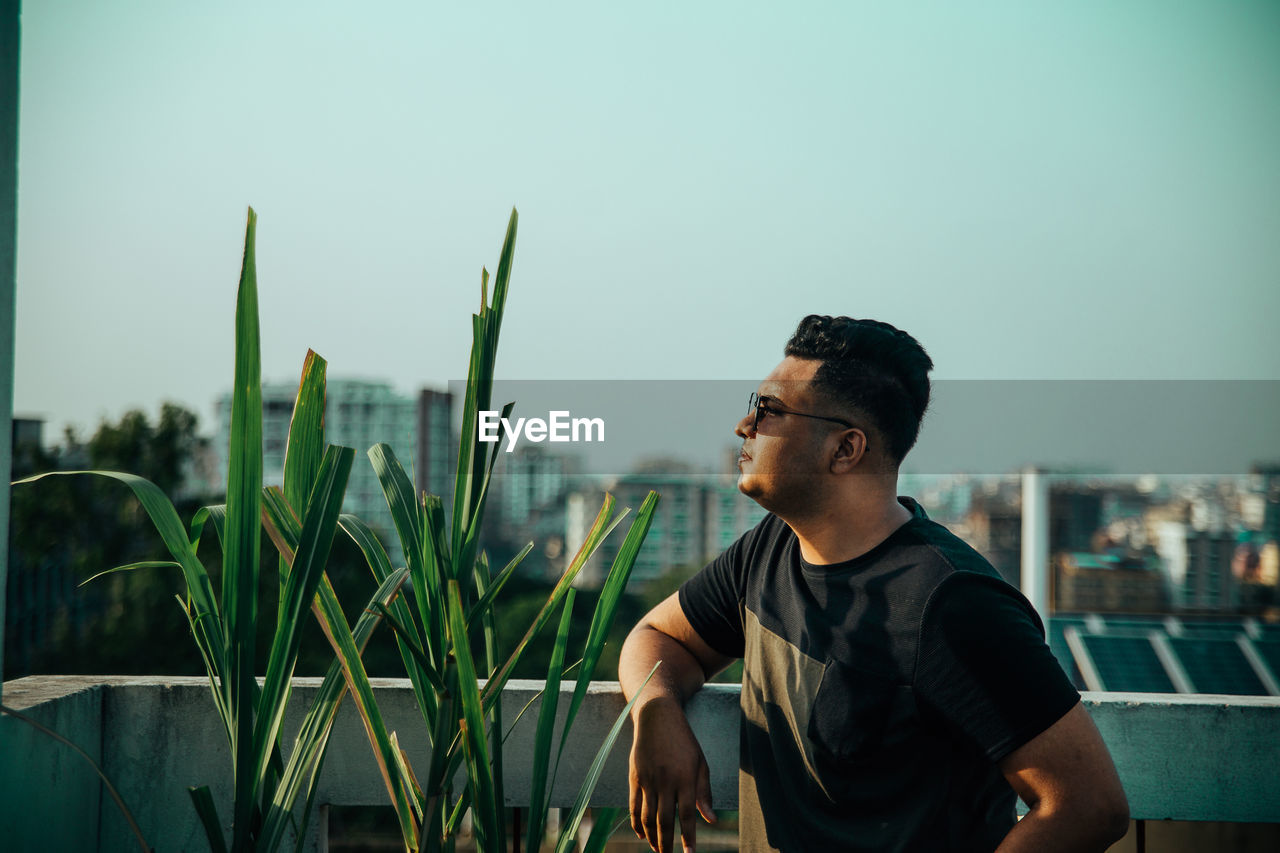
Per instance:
(697,517)
(1208,583)
(436,460)
(526,484)
(994,527)
(358,414)
(1265,479)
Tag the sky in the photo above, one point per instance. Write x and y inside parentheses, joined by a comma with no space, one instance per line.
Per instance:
(1036,191)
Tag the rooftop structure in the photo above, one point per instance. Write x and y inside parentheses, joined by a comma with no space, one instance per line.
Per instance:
(1167,654)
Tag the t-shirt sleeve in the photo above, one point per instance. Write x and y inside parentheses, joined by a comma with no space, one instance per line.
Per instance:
(712,599)
(984,668)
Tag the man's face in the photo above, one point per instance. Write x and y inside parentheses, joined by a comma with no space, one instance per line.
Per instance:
(783,460)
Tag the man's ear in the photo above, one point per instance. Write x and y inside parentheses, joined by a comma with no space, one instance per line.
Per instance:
(851,451)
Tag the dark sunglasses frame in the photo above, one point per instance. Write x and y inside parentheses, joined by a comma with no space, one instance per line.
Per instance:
(767,405)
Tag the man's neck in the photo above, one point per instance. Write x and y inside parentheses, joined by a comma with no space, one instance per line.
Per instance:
(849,528)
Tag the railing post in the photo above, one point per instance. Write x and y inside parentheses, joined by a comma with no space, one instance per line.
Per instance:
(1035,541)
(10,38)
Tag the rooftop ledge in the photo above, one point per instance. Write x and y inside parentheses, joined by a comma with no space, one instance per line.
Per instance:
(1181,757)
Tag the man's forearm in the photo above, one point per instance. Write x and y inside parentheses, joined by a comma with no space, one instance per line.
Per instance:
(1063,833)
(679,676)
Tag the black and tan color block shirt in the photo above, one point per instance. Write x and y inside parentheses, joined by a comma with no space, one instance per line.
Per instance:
(879,693)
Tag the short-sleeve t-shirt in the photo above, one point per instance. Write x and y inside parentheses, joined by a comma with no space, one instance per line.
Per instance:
(878,693)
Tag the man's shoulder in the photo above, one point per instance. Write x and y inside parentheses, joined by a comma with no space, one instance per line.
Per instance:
(956,579)
(939,552)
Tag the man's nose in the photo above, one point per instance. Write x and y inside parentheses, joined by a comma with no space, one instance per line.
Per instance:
(746,427)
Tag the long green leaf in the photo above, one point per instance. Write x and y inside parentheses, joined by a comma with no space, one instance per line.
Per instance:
(206,623)
(312,739)
(217,513)
(484,581)
(503,276)
(545,732)
(465,551)
(491,592)
(429,587)
(402,632)
(133,567)
(606,610)
(319,525)
(282,524)
(475,746)
(406,774)
(286,532)
(334,624)
(206,652)
(536,697)
(398,491)
(208,813)
(607,822)
(476,399)
(367,541)
(442,733)
(599,530)
(306,445)
(486,327)
(243,535)
(376,556)
(492,692)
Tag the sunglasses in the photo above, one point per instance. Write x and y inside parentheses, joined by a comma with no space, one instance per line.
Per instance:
(759,406)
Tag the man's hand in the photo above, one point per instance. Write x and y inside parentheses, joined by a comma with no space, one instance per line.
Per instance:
(668,774)
(668,770)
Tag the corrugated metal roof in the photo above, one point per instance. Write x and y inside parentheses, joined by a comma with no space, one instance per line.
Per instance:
(1128,664)
(1217,666)
(1165,654)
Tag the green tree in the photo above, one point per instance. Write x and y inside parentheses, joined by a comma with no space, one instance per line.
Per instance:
(160,453)
(67,529)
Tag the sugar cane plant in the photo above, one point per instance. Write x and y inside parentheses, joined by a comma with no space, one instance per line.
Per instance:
(452,596)
(271,798)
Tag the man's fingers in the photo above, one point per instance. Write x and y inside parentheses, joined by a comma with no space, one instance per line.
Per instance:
(666,823)
(688,823)
(637,801)
(704,793)
(649,819)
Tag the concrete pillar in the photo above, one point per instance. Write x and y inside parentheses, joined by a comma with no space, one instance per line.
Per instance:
(9,44)
(1035,541)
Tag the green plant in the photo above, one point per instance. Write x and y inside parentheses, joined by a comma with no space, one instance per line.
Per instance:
(453,597)
(267,791)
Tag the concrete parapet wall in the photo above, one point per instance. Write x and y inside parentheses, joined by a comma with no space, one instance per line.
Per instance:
(1194,756)
(1207,758)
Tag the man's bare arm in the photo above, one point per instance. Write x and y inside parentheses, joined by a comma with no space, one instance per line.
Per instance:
(668,771)
(1066,776)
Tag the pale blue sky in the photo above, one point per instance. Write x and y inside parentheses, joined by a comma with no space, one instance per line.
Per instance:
(1035,190)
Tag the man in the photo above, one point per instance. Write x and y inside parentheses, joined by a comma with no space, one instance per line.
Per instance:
(896,693)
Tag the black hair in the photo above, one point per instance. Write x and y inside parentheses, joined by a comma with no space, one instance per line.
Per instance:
(870,366)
